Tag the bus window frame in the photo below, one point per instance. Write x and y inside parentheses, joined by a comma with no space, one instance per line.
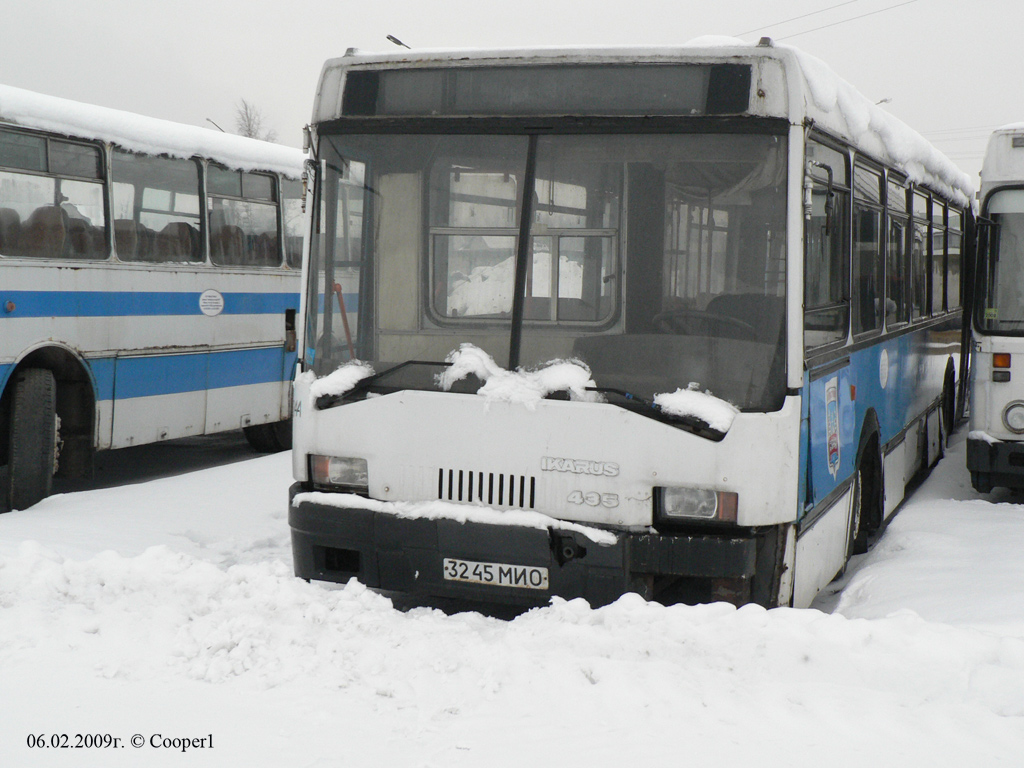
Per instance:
(861,162)
(844,212)
(102,179)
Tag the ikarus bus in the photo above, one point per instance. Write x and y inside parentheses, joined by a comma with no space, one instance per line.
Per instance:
(679,321)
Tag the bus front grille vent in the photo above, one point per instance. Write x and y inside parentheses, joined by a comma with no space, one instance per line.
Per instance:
(486,488)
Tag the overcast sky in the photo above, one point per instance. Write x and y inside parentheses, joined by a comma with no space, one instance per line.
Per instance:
(951,68)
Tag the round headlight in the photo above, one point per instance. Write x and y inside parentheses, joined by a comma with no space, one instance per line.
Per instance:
(1013,417)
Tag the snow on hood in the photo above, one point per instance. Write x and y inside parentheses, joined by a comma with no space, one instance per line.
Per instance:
(715,412)
(148,135)
(460,513)
(521,386)
(341,380)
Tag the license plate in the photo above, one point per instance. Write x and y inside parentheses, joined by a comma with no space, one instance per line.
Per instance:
(496,574)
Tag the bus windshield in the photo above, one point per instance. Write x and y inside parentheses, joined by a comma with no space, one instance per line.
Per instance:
(657,260)
(1001,275)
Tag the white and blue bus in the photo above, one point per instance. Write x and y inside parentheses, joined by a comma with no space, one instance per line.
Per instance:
(149,286)
(995,443)
(680,321)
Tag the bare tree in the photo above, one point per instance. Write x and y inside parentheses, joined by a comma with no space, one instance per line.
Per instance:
(249,122)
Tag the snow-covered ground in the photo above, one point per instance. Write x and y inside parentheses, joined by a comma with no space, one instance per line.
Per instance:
(167,610)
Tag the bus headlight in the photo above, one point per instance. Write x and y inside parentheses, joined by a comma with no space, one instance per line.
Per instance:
(343,473)
(1013,417)
(694,504)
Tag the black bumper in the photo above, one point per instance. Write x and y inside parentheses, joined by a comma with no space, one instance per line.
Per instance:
(998,464)
(404,555)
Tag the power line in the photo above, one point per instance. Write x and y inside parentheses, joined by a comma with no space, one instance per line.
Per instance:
(852,18)
(795,18)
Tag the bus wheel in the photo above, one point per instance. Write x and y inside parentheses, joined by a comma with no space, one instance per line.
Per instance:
(33,444)
(270,438)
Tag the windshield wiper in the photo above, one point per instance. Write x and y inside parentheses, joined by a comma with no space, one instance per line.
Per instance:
(692,424)
(329,401)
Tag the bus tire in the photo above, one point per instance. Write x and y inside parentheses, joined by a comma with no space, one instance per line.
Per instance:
(270,438)
(32,451)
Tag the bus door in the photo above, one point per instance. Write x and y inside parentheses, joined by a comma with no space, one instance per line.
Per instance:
(830,433)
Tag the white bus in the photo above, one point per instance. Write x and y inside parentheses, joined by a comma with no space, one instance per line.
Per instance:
(995,443)
(149,286)
(678,321)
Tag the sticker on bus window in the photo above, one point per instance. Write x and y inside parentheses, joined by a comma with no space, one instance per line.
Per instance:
(832,424)
(211,303)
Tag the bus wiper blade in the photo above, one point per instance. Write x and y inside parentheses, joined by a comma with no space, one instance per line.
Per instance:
(691,424)
(329,401)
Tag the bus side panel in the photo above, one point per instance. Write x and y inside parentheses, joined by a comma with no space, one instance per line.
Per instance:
(153,353)
(159,398)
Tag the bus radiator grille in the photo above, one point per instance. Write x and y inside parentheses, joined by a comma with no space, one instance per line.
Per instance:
(486,488)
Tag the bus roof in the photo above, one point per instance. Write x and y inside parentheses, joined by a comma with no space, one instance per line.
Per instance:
(1004,158)
(149,135)
(816,94)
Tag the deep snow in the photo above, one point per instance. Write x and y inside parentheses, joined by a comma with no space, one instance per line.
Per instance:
(168,607)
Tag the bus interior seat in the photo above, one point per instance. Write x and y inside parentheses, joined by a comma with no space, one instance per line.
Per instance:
(45,232)
(226,240)
(266,250)
(86,240)
(175,242)
(10,231)
(126,239)
(763,313)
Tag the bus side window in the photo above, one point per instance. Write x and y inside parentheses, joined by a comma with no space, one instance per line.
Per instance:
(827,258)
(291,209)
(242,210)
(156,208)
(938,250)
(919,258)
(867,251)
(51,198)
(896,278)
(954,238)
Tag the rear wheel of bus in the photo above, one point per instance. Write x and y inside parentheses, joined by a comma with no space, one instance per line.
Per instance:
(32,447)
(270,438)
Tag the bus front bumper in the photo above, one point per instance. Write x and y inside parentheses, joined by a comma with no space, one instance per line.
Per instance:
(995,463)
(413,556)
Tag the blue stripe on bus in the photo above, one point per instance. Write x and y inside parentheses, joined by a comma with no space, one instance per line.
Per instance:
(131,377)
(140,303)
(128,377)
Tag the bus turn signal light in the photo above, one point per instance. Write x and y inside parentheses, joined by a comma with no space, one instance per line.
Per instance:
(1001,360)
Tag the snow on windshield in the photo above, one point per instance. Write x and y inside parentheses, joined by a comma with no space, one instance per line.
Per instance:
(521,386)
(341,380)
(713,411)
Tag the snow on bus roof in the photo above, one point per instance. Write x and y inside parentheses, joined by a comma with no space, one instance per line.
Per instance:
(139,133)
(833,104)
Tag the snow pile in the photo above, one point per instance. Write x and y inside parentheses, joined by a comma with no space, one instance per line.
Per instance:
(779,688)
(527,387)
(341,380)
(850,113)
(170,607)
(460,513)
(149,135)
(948,556)
(715,412)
